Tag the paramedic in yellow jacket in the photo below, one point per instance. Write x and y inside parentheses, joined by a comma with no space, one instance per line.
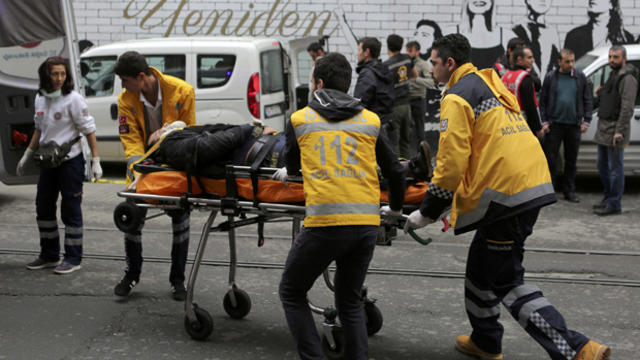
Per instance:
(151,101)
(494,175)
(337,143)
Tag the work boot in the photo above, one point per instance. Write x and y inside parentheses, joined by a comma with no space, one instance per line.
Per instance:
(466,346)
(420,164)
(593,351)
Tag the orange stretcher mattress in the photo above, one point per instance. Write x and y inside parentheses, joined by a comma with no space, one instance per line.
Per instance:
(174,183)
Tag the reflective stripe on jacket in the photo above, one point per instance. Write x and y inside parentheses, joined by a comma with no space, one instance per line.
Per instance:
(338,168)
(487,161)
(178,103)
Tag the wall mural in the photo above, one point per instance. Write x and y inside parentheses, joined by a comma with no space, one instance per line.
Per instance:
(604,27)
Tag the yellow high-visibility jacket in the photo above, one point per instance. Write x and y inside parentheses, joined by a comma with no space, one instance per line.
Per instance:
(489,166)
(178,103)
(338,160)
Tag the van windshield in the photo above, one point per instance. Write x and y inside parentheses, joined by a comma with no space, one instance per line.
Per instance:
(97,75)
(272,78)
(585,61)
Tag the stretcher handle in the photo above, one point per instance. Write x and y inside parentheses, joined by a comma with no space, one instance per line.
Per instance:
(400,224)
(417,238)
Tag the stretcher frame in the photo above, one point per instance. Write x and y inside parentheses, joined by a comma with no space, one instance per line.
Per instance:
(198,322)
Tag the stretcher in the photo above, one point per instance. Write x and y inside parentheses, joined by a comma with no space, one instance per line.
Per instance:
(246,196)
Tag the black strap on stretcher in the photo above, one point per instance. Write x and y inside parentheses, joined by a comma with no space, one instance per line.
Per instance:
(230,201)
(257,161)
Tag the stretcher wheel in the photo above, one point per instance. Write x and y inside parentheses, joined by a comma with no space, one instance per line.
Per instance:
(127,217)
(373,317)
(336,352)
(202,327)
(243,303)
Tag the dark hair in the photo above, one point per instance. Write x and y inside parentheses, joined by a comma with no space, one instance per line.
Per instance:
(565,51)
(619,48)
(131,64)
(334,70)
(455,46)
(437,32)
(315,46)
(394,42)
(372,44)
(44,72)
(515,43)
(518,52)
(413,44)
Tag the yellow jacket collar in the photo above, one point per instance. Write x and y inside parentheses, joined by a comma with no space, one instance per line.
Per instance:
(458,73)
(160,77)
(492,80)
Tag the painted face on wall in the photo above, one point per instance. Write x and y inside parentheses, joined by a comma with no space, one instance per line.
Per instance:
(539,6)
(598,6)
(479,6)
(424,35)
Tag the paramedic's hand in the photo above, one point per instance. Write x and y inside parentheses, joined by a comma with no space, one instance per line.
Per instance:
(416,221)
(96,169)
(281,175)
(390,216)
(23,162)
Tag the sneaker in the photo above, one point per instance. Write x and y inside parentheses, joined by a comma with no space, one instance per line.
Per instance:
(466,346)
(593,351)
(41,263)
(125,286)
(66,268)
(420,164)
(178,292)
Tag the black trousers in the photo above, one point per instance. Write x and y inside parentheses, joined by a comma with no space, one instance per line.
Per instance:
(351,247)
(569,135)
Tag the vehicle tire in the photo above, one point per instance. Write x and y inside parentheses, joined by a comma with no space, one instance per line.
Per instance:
(337,352)
(127,217)
(373,317)
(243,303)
(202,327)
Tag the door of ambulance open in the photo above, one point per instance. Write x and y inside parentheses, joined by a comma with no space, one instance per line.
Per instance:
(26,40)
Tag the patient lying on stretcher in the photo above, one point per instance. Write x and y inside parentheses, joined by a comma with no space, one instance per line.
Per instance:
(206,150)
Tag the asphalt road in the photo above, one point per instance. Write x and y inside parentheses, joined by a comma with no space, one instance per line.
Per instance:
(586,265)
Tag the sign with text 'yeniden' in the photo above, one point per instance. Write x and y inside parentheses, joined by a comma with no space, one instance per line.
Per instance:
(276,21)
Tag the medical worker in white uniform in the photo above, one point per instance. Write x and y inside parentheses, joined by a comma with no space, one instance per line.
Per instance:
(61,114)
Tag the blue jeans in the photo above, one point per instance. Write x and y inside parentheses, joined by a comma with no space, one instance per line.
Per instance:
(611,168)
(312,251)
(65,180)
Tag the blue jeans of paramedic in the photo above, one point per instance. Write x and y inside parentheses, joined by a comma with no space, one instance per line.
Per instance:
(495,275)
(66,179)
(312,251)
(179,247)
(611,169)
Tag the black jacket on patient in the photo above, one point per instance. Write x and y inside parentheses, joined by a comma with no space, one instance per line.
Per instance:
(207,149)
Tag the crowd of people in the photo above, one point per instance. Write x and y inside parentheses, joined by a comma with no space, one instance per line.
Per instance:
(502,117)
